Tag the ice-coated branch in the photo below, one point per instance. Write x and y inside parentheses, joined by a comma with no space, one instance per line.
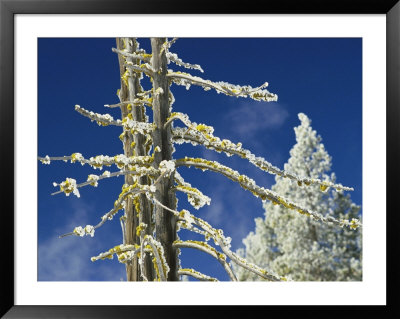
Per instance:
(120,104)
(252,267)
(167,45)
(173,57)
(140,232)
(123,252)
(221,240)
(128,252)
(121,220)
(141,56)
(180,116)
(127,122)
(101,119)
(159,261)
(99,161)
(195,197)
(224,243)
(136,102)
(183,224)
(261,192)
(137,126)
(141,98)
(258,94)
(204,247)
(69,185)
(127,190)
(118,205)
(145,68)
(195,274)
(201,134)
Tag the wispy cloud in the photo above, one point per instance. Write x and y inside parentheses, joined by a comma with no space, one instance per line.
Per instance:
(215,212)
(250,118)
(68,259)
(63,259)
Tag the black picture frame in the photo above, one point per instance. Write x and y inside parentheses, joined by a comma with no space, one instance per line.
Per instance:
(8,10)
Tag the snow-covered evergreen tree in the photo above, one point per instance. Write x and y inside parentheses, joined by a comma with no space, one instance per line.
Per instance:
(294,245)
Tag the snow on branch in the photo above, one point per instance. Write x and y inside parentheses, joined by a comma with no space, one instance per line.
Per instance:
(218,236)
(173,57)
(159,261)
(143,98)
(261,192)
(141,56)
(136,126)
(258,94)
(204,247)
(201,134)
(181,223)
(167,45)
(142,68)
(182,117)
(224,243)
(140,232)
(69,185)
(195,197)
(118,205)
(101,119)
(136,102)
(124,252)
(195,274)
(127,122)
(99,161)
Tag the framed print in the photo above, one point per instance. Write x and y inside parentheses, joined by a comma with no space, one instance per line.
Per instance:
(320,194)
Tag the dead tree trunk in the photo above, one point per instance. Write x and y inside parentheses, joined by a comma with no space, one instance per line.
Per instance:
(134,146)
(165,220)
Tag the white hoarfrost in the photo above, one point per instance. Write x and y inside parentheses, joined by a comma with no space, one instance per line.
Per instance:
(167,167)
(294,245)
(68,186)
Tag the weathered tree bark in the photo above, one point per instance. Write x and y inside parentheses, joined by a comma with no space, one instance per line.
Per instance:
(130,87)
(165,220)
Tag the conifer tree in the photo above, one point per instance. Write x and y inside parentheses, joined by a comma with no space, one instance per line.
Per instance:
(150,221)
(294,245)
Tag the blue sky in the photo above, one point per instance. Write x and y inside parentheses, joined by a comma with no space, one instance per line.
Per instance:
(321,77)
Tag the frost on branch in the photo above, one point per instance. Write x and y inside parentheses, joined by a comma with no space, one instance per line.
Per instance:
(88,230)
(101,119)
(45,160)
(195,274)
(261,192)
(173,57)
(97,162)
(195,197)
(150,221)
(258,93)
(201,134)
(68,186)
